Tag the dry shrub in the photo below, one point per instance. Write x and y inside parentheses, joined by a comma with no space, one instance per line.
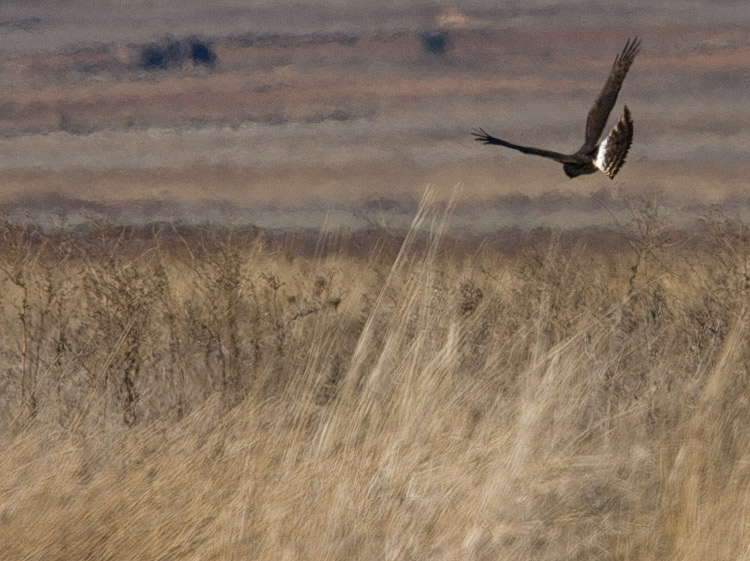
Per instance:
(205,394)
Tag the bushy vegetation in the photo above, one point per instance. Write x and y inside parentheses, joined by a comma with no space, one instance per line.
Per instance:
(435,42)
(171,53)
(214,393)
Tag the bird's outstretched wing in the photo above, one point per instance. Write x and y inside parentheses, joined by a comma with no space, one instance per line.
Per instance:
(597,118)
(482,136)
(612,151)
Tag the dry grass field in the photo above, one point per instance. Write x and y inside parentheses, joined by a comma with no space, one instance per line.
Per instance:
(203,393)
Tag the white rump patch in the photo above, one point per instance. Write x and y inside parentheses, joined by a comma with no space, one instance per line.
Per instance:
(601,156)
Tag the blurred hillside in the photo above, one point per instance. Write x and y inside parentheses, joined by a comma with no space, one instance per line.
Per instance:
(347,107)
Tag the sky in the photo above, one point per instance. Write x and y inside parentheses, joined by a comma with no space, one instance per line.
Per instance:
(314,107)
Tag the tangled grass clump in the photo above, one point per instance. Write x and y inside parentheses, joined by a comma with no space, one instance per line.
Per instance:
(214,393)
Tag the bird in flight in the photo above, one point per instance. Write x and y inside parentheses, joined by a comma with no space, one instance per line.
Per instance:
(607,156)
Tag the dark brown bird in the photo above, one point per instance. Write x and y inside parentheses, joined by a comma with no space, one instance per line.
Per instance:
(610,154)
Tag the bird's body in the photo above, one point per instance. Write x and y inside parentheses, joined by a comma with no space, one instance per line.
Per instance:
(607,156)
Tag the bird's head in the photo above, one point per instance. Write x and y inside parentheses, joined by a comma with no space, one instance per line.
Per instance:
(572,170)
